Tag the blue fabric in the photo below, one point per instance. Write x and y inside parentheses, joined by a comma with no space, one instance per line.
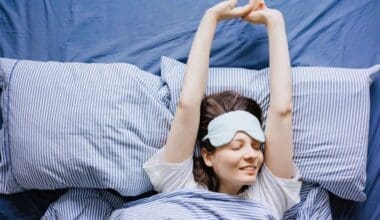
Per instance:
(119,120)
(99,204)
(370,209)
(192,204)
(329,128)
(320,33)
(314,204)
(84,204)
(327,33)
(88,204)
(27,205)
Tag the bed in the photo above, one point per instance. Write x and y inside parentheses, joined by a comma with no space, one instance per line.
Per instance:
(329,33)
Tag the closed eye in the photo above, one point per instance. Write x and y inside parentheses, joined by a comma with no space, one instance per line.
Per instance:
(255,145)
(236,145)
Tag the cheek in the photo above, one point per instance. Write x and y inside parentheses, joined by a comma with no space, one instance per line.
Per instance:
(233,160)
(260,157)
(225,161)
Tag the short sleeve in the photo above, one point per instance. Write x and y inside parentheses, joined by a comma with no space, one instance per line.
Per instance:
(167,177)
(277,194)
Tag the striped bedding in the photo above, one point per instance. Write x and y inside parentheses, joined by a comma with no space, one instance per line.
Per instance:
(79,125)
(330,117)
(183,204)
(49,141)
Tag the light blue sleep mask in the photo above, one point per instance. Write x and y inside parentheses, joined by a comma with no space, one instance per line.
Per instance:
(223,128)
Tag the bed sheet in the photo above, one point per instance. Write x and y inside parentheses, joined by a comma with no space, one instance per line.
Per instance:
(28,205)
(370,209)
(320,33)
(194,204)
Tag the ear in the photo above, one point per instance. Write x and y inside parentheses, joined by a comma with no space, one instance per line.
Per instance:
(207,157)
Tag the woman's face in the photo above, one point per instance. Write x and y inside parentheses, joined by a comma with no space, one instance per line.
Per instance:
(236,163)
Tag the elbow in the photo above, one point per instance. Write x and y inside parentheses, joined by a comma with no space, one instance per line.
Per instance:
(285,110)
(187,105)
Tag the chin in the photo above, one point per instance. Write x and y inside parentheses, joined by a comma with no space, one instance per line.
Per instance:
(248,181)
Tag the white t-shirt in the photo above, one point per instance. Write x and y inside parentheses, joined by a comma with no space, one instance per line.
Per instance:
(276,194)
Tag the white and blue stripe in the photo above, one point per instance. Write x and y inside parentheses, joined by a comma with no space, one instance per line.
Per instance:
(315,204)
(84,204)
(330,117)
(80,125)
(183,204)
(93,125)
(192,204)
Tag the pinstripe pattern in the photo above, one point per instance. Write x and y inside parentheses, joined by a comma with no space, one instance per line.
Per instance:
(183,204)
(99,204)
(89,204)
(315,204)
(333,104)
(81,125)
(7,182)
(58,125)
(330,117)
(192,204)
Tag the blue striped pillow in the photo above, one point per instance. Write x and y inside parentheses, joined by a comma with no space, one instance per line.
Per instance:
(330,119)
(79,125)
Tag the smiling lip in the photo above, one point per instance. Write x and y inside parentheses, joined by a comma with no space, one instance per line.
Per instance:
(249,169)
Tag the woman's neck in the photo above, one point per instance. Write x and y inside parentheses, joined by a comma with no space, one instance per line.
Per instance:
(231,190)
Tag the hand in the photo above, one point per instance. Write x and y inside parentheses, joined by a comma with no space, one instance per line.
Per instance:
(261,14)
(227,10)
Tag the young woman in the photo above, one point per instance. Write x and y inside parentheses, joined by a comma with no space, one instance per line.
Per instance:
(227,126)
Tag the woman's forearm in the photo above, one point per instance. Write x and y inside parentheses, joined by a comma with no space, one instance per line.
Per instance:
(184,129)
(279,66)
(182,136)
(196,75)
(279,134)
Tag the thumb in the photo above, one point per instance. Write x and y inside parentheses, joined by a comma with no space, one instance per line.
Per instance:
(262,5)
(252,16)
(233,3)
(242,11)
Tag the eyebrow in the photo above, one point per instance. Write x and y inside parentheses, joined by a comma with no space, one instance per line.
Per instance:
(238,139)
(254,142)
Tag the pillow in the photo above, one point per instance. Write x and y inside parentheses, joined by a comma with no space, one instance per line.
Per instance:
(83,204)
(330,117)
(79,125)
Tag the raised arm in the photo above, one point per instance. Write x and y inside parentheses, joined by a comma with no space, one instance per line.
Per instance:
(279,136)
(183,132)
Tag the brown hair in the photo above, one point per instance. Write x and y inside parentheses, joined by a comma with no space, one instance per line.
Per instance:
(211,107)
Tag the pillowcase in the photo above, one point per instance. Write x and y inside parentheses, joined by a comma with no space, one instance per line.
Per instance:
(83,204)
(79,125)
(330,117)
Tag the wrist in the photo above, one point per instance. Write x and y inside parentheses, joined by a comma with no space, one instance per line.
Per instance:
(211,14)
(275,20)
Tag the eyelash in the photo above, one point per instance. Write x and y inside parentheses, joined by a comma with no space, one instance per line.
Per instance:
(238,146)
(257,146)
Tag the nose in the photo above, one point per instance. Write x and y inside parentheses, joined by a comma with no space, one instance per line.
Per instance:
(250,152)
